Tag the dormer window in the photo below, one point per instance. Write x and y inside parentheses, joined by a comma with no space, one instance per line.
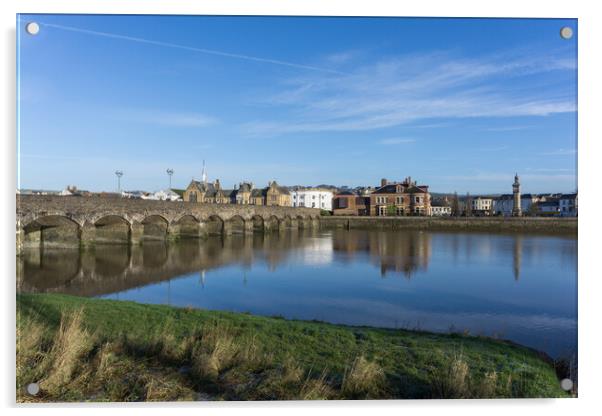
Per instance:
(399,189)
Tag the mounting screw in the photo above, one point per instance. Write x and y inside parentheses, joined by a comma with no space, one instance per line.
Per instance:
(566,32)
(32,28)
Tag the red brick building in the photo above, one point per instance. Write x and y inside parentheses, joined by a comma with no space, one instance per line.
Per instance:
(400,198)
(349,203)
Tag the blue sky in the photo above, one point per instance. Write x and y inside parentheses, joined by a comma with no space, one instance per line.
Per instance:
(458,104)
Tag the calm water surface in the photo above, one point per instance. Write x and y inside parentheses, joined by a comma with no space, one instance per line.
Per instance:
(517,287)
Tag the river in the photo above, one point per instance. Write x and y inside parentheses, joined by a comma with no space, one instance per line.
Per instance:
(511,286)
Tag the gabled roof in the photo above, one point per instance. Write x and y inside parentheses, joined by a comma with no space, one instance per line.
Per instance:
(206,187)
(245,187)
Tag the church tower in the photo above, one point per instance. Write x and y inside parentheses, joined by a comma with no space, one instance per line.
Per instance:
(516,210)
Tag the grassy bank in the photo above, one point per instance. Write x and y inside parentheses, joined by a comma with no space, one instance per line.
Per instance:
(88,349)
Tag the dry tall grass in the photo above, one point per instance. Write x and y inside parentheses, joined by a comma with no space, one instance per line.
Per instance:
(451,380)
(217,349)
(71,344)
(364,379)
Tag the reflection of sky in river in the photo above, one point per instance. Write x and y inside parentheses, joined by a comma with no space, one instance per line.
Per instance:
(516,287)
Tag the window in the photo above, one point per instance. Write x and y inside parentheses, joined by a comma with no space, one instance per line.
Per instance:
(192,197)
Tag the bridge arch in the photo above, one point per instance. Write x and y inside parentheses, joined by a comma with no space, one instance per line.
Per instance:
(112,229)
(287,222)
(258,223)
(272,223)
(214,225)
(155,227)
(301,222)
(236,224)
(52,229)
(186,226)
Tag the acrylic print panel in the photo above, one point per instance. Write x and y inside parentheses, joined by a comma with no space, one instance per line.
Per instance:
(276,208)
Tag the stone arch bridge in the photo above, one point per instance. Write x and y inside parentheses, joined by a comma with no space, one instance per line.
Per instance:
(56,220)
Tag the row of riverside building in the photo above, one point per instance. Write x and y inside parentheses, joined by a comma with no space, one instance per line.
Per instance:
(405,198)
(246,194)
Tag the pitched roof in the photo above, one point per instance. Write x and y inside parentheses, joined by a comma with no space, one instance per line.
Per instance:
(387,189)
(204,186)
(568,196)
(417,189)
(245,187)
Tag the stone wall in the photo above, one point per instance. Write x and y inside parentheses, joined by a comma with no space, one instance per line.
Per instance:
(492,224)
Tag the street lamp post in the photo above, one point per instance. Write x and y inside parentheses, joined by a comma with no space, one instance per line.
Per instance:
(170,172)
(119,174)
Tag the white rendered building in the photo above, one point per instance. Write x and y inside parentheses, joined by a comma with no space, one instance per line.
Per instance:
(440,211)
(164,195)
(481,205)
(312,198)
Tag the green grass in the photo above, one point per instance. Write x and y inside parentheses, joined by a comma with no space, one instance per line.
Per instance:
(81,349)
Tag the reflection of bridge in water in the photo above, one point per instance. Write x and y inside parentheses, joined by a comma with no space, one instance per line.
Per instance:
(113,268)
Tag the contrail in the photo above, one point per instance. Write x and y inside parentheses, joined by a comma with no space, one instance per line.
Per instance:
(192,49)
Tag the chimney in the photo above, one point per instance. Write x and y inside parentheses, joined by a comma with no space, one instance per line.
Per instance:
(383,182)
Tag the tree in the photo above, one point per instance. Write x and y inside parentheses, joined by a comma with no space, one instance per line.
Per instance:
(468,209)
(455,205)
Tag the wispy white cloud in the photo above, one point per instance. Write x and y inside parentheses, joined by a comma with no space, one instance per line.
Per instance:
(507,128)
(396,140)
(403,90)
(189,48)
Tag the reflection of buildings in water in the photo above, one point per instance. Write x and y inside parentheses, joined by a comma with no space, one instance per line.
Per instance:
(403,252)
(115,268)
(317,251)
(202,278)
(517,255)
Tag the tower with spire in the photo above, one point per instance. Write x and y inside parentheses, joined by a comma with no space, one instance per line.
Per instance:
(516,210)
(204,174)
